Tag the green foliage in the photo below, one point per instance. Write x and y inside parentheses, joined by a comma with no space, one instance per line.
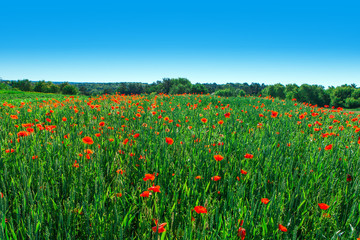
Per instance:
(241,93)
(228,92)
(46,87)
(291,91)
(347,96)
(199,88)
(340,94)
(15,95)
(70,90)
(4,86)
(10,91)
(356,93)
(131,88)
(23,85)
(313,94)
(344,96)
(276,91)
(167,86)
(40,86)
(352,102)
(176,85)
(108,91)
(84,91)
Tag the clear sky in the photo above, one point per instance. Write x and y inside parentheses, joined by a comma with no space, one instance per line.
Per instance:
(315,42)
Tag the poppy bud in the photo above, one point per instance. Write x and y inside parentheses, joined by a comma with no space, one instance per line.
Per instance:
(349,178)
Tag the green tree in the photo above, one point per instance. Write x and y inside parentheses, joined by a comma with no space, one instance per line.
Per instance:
(313,94)
(23,85)
(340,94)
(240,93)
(4,86)
(198,88)
(40,86)
(84,91)
(276,90)
(108,91)
(70,90)
(291,91)
(54,88)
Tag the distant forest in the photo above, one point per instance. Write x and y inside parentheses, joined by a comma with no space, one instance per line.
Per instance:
(347,96)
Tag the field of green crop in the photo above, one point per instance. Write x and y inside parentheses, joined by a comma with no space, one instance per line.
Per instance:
(12,96)
(177,167)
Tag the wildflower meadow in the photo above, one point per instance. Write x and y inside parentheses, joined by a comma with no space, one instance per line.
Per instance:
(177,167)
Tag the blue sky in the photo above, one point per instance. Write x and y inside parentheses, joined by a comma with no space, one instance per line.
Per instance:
(315,42)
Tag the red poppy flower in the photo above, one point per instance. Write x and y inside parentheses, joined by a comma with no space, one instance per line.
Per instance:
(145,194)
(149,177)
(216,178)
(218,157)
(88,151)
(265,201)
(328,147)
(274,114)
(248,155)
(88,140)
(204,120)
(241,233)
(154,188)
(323,206)
(23,134)
(243,172)
(75,165)
(64,119)
(220,122)
(136,135)
(159,228)
(169,141)
(282,228)
(200,209)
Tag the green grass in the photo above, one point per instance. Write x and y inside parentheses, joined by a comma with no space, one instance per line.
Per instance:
(48,196)
(18,96)
(357,110)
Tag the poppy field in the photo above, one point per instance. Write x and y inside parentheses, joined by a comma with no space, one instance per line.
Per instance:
(177,167)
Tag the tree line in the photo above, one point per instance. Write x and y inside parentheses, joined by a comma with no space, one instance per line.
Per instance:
(39,86)
(166,85)
(347,96)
